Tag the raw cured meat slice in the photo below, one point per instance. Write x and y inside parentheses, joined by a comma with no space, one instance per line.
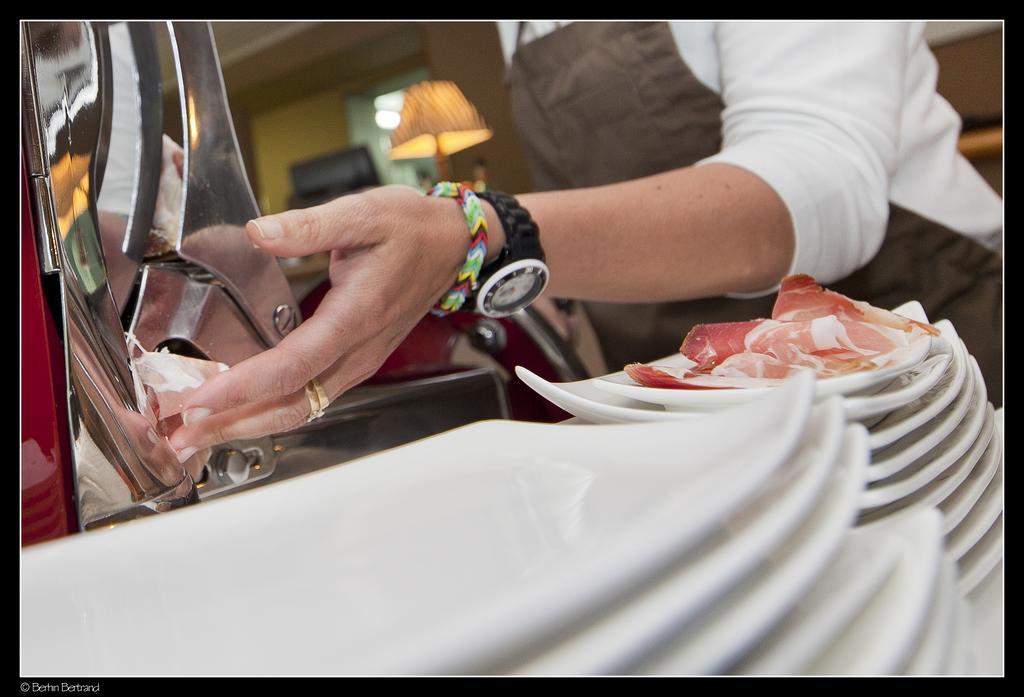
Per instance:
(163,380)
(710,344)
(802,298)
(171,378)
(811,328)
(753,365)
(760,365)
(680,378)
(793,343)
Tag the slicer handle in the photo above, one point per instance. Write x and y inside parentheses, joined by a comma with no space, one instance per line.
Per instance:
(217,198)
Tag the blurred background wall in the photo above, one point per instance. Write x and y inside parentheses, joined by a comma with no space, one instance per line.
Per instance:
(970,56)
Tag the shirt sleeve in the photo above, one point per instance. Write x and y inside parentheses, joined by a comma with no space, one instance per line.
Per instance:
(814,110)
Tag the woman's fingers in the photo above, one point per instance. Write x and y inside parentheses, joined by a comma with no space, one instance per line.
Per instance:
(252,420)
(394,252)
(247,421)
(344,223)
(335,329)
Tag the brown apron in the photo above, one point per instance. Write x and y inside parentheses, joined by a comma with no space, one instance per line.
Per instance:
(603,102)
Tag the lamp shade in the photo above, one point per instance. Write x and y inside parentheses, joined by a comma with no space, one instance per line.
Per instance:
(437,120)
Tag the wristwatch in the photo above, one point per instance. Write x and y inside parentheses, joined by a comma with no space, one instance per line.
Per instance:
(519,274)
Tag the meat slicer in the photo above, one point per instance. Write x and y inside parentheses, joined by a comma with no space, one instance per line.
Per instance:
(90,186)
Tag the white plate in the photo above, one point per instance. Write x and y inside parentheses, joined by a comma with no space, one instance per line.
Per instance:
(883,636)
(938,637)
(889,460)
(624,386)
(988,613)
(908,387)
(919,473)
(948,482)
(610,644)
(956,507)
(912,309)
(735,624)
(979,518)
(582,399)
(982,558)
(585,399)
(961,660)
(444,555)
(931,406)
(866,561)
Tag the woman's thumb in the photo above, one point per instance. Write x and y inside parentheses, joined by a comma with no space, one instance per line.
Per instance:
(296,233)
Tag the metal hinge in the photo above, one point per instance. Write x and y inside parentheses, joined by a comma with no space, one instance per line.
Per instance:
(46,218)
(46,224)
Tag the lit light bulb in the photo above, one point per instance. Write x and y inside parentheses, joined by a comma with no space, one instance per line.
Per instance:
(388,120)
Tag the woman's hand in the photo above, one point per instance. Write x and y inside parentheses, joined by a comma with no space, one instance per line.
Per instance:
(394,253)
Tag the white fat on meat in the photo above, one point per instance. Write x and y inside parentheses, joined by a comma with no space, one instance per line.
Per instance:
(167,377)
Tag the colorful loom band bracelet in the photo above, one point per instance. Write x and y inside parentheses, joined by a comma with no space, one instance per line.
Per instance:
(467,279)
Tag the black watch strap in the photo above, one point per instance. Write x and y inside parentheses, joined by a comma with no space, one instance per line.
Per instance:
(522,236)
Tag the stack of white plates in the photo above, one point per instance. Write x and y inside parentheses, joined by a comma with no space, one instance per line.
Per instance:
(933,438)
(944,450)
(724,544)
(466,552)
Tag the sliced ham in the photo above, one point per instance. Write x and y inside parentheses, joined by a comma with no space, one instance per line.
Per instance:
(759,365)
(753,365)
(823,336)
(163,380)
(658,376)
(811,328)
(792,342)
(802,298)
(171,378)
(710,344)
(677,378)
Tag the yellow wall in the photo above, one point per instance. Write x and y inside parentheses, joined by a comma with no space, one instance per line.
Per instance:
(299,130)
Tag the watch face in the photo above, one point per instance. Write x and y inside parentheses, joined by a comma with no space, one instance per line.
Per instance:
(513,288)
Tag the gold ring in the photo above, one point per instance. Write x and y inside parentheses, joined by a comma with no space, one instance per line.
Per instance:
(318,400)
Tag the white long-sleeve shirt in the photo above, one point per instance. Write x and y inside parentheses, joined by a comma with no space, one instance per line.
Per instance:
(840,118)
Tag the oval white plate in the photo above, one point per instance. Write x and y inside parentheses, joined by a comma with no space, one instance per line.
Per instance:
(947,483)
(921,443)
(989,507)
(916,475)
(930,407)
(976,564)
(961,661)
(912,309)
(609,644)
(582,399)
(956,507)
(734,625)
(622,385)
(988,617)
(441,556)
(864,564)
(883,636)
(937,639)
(908,387)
